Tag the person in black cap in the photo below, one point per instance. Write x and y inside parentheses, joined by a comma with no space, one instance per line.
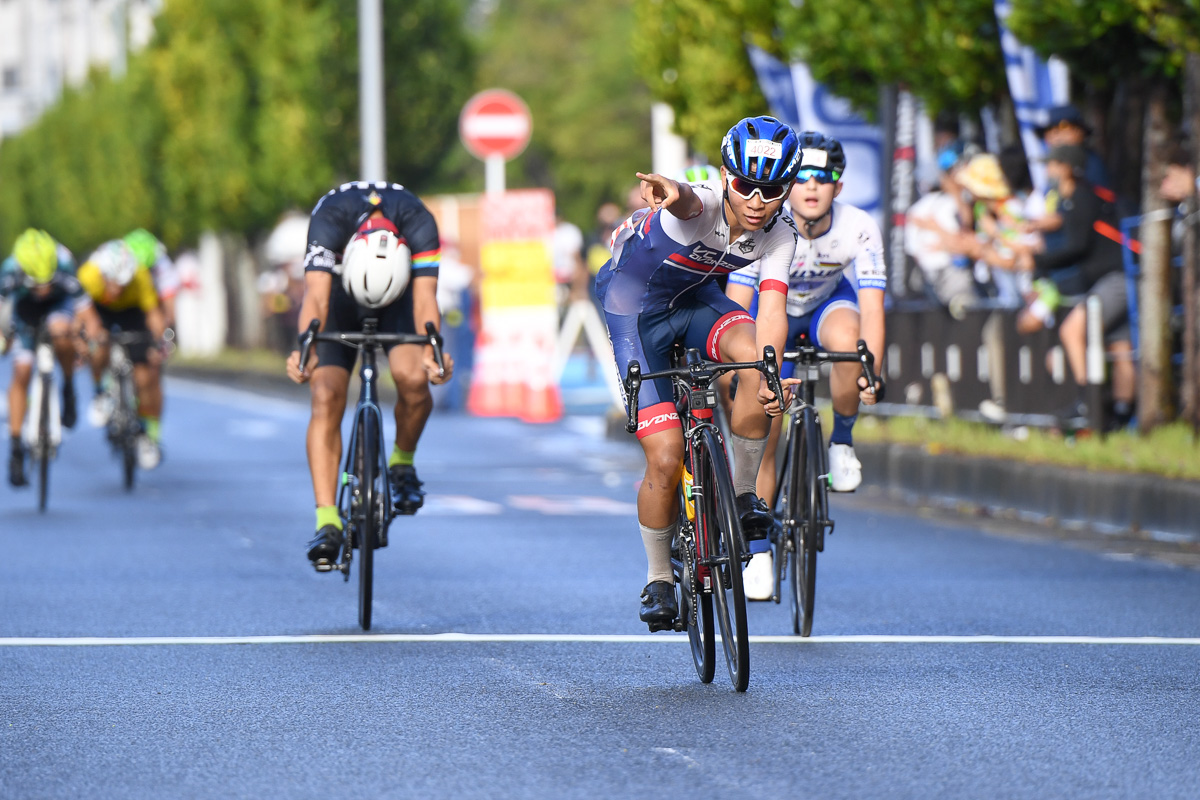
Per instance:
(1087,262)
(1066,126)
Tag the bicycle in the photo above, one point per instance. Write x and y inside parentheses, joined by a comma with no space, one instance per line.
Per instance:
(124,427)
(801,498)
(42,432)
(710,543)
(364,499)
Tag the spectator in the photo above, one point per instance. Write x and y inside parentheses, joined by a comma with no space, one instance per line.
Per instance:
(1000,213)
(1067,128)
(1088,261)
(933,237)
(1180,183)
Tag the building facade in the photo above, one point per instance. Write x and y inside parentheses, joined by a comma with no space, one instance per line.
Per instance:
(48,45)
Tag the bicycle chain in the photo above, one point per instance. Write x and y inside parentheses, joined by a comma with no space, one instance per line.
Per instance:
(687,557)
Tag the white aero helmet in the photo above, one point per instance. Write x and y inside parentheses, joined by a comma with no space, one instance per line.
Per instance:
(376,265)
(116,262)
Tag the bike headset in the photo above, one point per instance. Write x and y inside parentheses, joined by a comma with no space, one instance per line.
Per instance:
(820,153)
(763,152)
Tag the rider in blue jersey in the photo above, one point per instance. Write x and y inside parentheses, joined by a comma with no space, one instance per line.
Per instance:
(836,289)
(661,288)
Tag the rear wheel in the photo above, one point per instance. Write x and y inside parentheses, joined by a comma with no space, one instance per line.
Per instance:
(717,521)
(43,442)
(128,427)
(695,606)
(367,465)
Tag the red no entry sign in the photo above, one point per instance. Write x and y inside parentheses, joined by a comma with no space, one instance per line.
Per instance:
(495,122)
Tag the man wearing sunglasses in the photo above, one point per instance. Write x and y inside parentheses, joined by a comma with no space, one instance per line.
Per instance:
(661,288)
(833,308)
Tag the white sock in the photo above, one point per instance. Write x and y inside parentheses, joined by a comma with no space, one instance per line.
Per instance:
(747,455)
(657,542)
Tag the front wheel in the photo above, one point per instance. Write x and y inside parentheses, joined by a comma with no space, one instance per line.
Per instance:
(367,464)
(718,524)
(43,445)
(810,528)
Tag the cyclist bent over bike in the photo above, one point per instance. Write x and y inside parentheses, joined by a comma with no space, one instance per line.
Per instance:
(373,237)
(39,276)
(660,287)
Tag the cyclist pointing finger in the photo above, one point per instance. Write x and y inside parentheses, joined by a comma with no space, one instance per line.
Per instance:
(660,288)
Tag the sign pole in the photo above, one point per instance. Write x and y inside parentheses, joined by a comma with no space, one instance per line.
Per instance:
(494,175)
(370,89)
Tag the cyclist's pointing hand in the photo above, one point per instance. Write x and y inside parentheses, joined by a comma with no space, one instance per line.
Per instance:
(293,366)
(658,191)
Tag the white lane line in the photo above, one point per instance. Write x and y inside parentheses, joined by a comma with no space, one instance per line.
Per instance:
(646,638)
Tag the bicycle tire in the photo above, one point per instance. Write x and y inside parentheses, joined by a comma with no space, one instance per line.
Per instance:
(129,432)
(43,445)
(367,465)
(717,519)
(804,572)
(794,504)
(695,607)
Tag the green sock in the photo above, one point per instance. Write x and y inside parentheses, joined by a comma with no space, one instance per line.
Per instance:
(153,426)
(328,515)
(399,456)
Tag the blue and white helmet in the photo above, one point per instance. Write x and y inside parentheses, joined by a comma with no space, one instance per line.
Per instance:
(761,150)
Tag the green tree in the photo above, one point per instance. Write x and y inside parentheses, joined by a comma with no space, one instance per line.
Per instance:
(573,65)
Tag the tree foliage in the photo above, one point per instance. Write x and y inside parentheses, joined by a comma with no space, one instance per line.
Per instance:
(238,110)
(573,65)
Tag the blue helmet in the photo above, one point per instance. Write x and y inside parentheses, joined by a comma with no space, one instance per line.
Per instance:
(761,150)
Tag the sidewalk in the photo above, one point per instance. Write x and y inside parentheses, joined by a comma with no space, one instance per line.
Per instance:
(1158,507)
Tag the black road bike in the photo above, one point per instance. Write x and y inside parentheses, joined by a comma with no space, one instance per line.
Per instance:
(124,427)
(801,500)
(710,550)
(364,498)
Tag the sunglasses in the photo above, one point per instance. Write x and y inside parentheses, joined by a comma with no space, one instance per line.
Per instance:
(822,175)
(745,189)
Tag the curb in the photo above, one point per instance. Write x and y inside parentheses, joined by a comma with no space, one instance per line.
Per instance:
(1162,508)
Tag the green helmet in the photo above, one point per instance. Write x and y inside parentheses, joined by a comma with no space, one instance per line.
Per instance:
(37,254)
(144,245)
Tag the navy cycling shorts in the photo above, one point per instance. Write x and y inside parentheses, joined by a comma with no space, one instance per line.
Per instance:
(697,320)
(843,296)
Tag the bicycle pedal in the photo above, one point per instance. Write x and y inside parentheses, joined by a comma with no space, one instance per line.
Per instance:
(655,627)
(324,565)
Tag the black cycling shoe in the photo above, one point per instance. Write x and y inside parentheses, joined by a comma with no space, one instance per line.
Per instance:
(407,495)
(659,606)
(757,519)
(68,415)
(324,548)
(16,468)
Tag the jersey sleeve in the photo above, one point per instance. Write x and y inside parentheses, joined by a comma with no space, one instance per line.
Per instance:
(870,269)
(776,263)
(147,297)
(327,237)
(91,281)
(419,230)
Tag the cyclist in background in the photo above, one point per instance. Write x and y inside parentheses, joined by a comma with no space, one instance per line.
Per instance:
(373,237)
(833,306)
(660,287)
(152,255)
(123,294)
(39,277)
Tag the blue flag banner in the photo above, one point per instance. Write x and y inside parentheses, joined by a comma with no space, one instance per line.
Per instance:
(797,99)
(1036,86)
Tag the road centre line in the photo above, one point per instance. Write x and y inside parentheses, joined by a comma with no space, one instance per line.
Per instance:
(569,638)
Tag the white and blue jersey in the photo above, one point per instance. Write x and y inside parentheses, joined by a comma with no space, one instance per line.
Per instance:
(820,264)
